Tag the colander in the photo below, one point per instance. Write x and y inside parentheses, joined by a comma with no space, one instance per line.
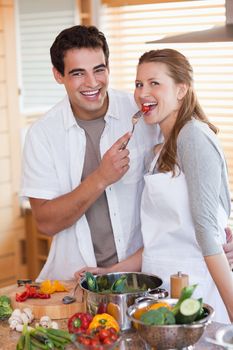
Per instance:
(168,336)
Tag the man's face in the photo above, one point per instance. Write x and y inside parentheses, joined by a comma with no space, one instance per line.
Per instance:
(86,79)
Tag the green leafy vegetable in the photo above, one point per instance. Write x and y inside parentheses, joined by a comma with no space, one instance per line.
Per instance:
(119,285)
(161,316)
(91,282)
(101,284)
(5,307)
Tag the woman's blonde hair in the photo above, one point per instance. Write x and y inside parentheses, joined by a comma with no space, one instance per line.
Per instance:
(180,71)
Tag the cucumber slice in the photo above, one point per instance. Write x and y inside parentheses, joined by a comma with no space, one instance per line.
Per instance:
(189,310)
(190,307)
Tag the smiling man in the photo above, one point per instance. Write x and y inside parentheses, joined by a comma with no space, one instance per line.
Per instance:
(84,189)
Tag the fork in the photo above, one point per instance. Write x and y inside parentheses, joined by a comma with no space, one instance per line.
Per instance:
(135,119)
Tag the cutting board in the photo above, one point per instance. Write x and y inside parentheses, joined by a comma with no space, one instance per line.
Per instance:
(53,307)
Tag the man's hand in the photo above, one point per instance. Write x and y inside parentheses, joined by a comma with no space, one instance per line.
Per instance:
(115,162)
(57,214)
(94,270)
(228,247)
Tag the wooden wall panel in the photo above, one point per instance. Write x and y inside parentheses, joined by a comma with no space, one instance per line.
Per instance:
(2,69)
(1,23)
(2,95)
(5,198)
(6,219)
(5,173)
(1,44)
(6,3)
(7,263)
(7,244)
(3,119)
(4,145)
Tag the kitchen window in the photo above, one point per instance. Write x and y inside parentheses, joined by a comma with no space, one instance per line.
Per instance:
(38,23)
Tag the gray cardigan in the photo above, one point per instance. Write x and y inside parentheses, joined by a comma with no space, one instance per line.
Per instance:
(202,161)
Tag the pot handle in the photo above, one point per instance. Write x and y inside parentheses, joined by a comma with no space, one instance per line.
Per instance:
(158,293)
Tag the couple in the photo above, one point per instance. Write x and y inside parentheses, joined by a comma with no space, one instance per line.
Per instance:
(74,165)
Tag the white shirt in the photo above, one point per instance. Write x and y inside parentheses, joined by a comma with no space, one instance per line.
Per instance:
(53,160)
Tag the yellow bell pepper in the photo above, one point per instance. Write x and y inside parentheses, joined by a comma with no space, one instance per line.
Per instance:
(104,320)
(49,287)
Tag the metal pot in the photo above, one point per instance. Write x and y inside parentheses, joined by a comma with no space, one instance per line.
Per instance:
(168,336)
(116,304)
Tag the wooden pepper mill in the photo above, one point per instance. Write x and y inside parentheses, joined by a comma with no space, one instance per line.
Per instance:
(177,282)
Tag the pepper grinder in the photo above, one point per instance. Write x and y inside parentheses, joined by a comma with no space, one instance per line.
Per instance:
(177,283)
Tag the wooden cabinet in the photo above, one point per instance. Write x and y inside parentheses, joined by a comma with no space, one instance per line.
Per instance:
(12,262)
(37,246)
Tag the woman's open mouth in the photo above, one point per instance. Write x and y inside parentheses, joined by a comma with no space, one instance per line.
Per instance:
(148,106)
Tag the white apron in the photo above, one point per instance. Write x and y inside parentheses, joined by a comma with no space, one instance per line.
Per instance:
(169,237)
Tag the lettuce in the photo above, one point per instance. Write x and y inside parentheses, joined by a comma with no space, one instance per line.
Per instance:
(5,307)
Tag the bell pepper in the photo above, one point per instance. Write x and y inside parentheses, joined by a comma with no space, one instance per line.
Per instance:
(79,322)
(104,321)
(50,287)
(30,292)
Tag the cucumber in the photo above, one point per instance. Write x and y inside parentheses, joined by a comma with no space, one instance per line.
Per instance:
(189,310)
(186,293)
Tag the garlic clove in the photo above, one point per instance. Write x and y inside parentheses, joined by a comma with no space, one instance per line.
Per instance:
(29,314)
(24,318)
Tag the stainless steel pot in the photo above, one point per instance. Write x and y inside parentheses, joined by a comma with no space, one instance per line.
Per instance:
(117,304)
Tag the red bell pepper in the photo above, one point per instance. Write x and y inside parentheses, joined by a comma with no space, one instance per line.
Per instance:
(30,292)
(79,322)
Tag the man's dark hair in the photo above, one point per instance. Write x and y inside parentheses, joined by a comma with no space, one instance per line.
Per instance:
(77,37)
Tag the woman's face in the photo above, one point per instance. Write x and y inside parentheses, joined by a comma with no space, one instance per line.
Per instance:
(157,90)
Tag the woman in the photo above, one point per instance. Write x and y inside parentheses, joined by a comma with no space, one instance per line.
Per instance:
(186,200)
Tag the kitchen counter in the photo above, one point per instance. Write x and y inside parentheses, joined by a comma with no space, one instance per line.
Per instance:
(130,339)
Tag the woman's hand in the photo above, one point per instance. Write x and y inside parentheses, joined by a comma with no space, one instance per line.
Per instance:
(228,247)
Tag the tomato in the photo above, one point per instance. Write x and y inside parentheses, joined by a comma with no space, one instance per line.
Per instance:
(113,337)
(103,333)
(94,341)
(112,330)
(145,109)
(83,340)
(107,341)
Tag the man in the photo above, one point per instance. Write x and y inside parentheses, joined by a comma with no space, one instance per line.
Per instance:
(84,187)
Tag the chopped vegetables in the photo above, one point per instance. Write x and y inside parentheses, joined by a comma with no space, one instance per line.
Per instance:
(5,307)
(49,287)
(30,292)
(104,320)
(79,322)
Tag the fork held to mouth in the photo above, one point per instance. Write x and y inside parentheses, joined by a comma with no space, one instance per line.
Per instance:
(135,119)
